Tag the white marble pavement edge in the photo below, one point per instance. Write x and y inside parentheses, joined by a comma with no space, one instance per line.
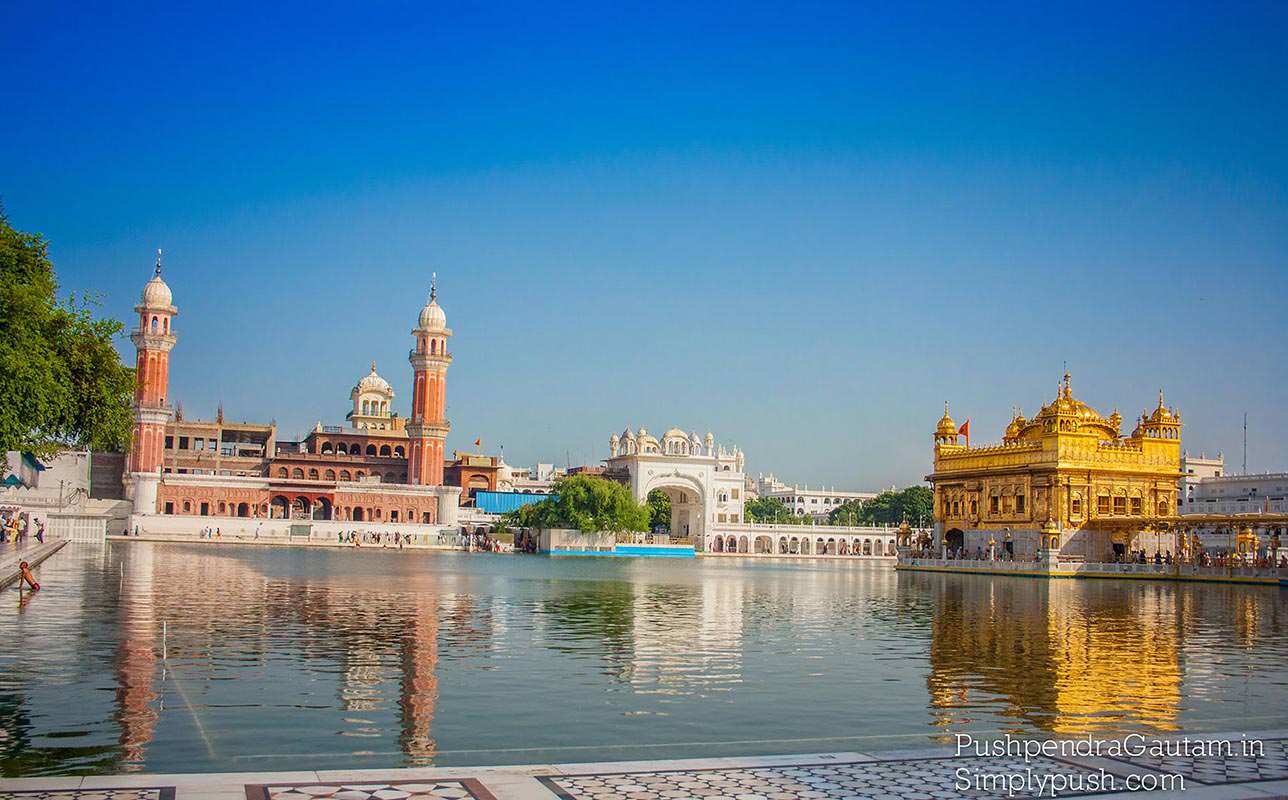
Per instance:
(520,782)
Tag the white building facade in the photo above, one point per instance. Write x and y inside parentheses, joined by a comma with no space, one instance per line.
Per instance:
(1265,493)
(804,501)
(705,482)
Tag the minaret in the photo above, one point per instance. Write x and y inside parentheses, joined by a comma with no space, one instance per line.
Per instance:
(428,427)
(153,340)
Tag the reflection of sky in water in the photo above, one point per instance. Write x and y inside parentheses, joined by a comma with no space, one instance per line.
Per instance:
(281,659)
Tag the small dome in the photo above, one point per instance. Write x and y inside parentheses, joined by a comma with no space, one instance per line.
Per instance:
(946,428)
(372,382)
(675,433)
(156,294)
(432,317)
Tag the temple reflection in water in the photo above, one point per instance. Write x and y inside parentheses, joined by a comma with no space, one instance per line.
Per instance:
(167,658)
(1073,657)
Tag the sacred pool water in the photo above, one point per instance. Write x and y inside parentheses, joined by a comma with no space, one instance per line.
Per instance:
(208,657)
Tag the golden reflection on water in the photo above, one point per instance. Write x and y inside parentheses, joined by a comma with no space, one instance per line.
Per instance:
(1073,657)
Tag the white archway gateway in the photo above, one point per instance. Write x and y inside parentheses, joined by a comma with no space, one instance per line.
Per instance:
(704,481)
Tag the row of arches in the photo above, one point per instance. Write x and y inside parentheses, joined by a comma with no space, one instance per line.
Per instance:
(321,508)
(223,509)
(314,474)
(357,449)
(804,545)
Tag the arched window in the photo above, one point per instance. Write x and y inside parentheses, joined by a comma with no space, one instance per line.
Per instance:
(297,473)
(399,452)
(366,407)
(313,474)
(330,474)
(342,449)
(385,451)
(371,449)
(281,472)
(187,506)
(433,346)
(359,475)
(165,325)
(345,475)
(327,447)
(154,324)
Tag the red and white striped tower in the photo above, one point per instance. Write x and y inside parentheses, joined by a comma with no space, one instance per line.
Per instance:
(153,339)
(427,430)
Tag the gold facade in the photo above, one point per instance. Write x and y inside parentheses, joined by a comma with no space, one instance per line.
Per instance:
(1065,480)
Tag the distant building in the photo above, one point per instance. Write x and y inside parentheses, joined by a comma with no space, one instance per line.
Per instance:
(703,480)
(538,479)
(381,468)
(802,500)
(473,472)
(1239,494)
(1195,469)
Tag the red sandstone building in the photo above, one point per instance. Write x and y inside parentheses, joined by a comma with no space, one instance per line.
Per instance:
(378,468)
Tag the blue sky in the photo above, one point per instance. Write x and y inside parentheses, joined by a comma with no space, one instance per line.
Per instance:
(800,226)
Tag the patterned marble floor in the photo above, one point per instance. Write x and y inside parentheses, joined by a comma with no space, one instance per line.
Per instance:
(159,793)
(437,789)
(1269,765)
(907,779)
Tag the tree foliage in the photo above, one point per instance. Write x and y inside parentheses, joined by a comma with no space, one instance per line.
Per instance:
(768,509)
(587,503)
(62,383)
(659,510)
(914,504)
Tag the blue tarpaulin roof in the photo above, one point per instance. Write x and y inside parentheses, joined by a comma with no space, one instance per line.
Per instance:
(502,502)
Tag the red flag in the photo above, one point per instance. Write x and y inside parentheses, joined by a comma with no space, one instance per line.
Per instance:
(478,442)
(964,430)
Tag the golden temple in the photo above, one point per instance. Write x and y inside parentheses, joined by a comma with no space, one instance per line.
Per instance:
(1066,482)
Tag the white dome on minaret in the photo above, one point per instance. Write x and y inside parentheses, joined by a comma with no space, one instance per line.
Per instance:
(156,294)
(432,317)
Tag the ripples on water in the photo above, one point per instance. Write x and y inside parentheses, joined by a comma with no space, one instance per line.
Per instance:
(219,657)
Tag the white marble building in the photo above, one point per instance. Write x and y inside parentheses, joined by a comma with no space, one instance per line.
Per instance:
(704,481)
(802,500)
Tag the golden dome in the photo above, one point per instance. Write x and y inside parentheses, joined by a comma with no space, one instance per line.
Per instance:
(947,428)
(1163,413)
(1076,415)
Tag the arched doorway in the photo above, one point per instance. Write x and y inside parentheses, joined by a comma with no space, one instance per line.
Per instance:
(243,509)
(687,507)
(280,507)
(301,508)
(956,539)
(322,508)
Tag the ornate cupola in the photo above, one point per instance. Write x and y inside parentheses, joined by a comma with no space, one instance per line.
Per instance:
(946,431)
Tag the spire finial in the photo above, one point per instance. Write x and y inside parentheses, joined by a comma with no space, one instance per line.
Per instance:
(433,286)
(373,366)
(1160,397)
(158,272)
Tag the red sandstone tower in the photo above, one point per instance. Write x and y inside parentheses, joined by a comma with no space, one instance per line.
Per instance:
(427,430)
(153,340)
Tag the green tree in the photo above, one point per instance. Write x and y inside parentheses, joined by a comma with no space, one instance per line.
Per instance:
(587,503)
(768,509)
(914,504)
(659,510)
(62,383)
